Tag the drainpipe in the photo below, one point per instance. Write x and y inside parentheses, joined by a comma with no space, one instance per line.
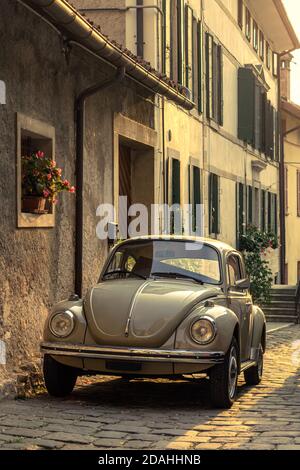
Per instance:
(80,128)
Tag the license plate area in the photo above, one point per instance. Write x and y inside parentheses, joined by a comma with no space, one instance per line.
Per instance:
(123,365)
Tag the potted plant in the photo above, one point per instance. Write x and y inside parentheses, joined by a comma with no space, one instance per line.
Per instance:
(42,181)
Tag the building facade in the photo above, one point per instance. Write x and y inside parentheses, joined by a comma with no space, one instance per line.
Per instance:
(291,154)
(225,152)
(49,62)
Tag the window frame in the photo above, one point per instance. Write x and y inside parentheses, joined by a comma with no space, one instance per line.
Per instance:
(43,131)
(255,36)
(248,31)
(241,14)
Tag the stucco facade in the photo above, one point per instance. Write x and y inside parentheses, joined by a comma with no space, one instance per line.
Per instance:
(37,259)
(193,136)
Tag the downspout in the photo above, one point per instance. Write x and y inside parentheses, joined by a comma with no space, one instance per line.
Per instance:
(80,128)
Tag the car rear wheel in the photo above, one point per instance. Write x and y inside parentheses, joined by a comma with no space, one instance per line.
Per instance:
(253,376)
(223,379)
(59,379)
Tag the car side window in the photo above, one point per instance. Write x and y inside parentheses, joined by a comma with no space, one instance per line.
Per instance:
(234,271)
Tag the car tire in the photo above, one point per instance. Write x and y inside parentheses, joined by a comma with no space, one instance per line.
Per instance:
(224,377)
(59,379)
(253,375)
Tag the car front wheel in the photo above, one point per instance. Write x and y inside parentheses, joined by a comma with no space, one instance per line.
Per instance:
(223,379)
(59,379)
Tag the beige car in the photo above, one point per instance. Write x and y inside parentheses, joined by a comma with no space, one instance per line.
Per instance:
(163,307)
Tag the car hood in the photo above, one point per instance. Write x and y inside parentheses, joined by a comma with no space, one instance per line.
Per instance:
(141,313)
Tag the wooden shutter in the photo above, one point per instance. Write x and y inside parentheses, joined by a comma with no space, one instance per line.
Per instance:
(240,13)
(175,181)
(257,116)
(214,210)
(220,86)
(173,21)
(199,58)
(250,205)
(246,108)
(166,37)
(240,210)
(181,42)
(263,211)
(189,40)
(209,75)
(286,190)
(298,193)
(194,193)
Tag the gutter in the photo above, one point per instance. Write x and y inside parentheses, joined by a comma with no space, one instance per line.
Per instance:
(71,21)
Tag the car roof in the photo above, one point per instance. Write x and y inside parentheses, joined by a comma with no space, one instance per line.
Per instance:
(219,245)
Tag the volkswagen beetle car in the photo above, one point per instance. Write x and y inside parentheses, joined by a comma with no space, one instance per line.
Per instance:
(163,306)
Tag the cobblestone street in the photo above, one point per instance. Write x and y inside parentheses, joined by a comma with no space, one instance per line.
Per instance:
(159,414)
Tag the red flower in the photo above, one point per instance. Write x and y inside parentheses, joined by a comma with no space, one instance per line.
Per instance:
(66,183)
(46,193)
(72,189)
(53,164)
(49,177)
(40,154)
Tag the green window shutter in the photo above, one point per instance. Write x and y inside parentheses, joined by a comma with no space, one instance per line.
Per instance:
(263,120)
(250,205)
(209,75)
(275,214)
(263,211)
(194,195)
(240,210)
(246,105)
(181,42)
(189,48)
(214,210)
(269,211)
(175,181)
(220,86)
(258,117)
(199,57)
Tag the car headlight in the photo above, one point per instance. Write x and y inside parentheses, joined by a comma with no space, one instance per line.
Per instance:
(62,324)
(203,331)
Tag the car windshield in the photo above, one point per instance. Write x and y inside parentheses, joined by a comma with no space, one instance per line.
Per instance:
(165,259)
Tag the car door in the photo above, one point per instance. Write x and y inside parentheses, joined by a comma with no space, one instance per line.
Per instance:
(239,301)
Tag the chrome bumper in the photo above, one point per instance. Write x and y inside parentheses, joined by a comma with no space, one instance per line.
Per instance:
(132,354)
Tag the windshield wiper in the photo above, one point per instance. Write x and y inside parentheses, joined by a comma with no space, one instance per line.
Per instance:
(176,275)
(123,271)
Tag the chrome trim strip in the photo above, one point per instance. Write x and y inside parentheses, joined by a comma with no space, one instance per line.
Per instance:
(133,302)
(132,354)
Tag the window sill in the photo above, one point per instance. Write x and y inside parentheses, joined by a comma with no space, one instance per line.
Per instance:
(35,220)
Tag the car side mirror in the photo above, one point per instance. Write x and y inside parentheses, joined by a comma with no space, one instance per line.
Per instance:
(243,284)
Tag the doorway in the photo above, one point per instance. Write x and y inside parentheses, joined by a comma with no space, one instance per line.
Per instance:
(136,181)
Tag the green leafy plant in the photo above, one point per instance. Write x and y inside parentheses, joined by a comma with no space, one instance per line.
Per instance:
(42,178)
(256,245)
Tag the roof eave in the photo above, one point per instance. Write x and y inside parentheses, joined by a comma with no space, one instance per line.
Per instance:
(65,16)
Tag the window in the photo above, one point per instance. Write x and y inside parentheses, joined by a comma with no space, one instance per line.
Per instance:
(214,80)
(256,116)
(248,25)
(274,64)
(272,213)
(286,190)
(255,35)
(298,193)
(261,46)
(268,56)
(195,196)
(33,136)
(165,259)
(240,13)
(234,270)
(214,204)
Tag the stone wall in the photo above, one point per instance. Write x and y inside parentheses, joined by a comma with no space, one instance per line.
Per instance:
(37,265)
